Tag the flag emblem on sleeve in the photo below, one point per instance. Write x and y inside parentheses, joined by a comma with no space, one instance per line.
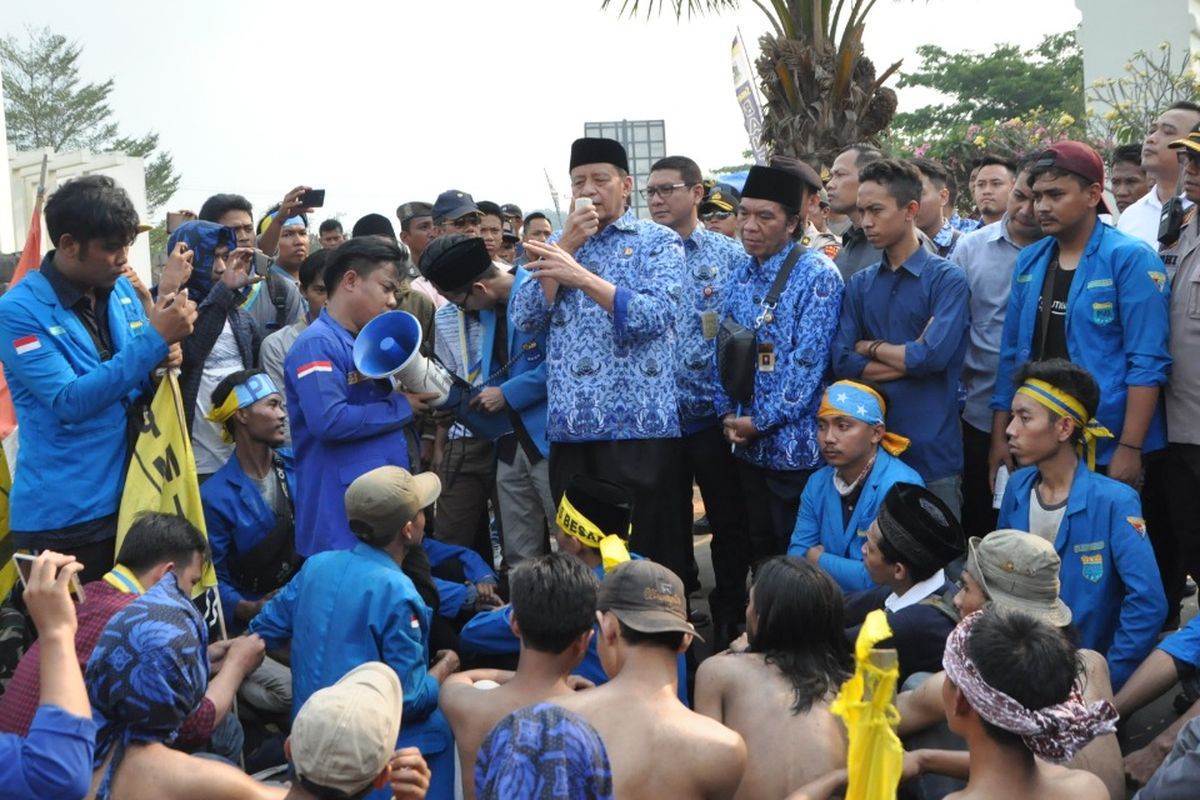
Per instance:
(416,623)
(313,366)
(26,344)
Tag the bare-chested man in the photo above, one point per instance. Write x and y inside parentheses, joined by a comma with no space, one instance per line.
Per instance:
(1011,570)
(778,693)
(656,746)
(553,611)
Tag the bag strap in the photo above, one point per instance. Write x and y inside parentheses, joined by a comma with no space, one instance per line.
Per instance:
(776,291)
(1047,301)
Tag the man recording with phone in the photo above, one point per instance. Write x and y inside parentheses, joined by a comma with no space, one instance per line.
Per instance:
(610,286)
(78,350)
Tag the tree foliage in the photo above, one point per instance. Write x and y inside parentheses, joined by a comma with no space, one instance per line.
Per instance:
(1129,104)
(47,104)
(1001,85)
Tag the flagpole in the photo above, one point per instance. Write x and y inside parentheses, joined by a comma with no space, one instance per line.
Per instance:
(553,193)
(41,187)
(750,73)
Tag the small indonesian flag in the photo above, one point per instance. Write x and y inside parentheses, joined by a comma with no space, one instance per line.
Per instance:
(314,366)
(26,344)
(416,623)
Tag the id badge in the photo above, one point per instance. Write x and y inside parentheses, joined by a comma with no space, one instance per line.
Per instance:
(766,357)
(708,324)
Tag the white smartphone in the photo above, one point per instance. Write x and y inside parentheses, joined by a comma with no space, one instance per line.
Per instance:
(24,564)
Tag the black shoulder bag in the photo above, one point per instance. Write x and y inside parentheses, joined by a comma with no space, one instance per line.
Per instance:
(736,344)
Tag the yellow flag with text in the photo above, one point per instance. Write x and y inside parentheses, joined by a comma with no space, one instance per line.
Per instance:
(8,570)
(162,472)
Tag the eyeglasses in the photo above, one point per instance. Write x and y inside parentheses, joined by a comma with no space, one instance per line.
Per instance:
(460,299)
(466,221)
(709,216)
(663,191)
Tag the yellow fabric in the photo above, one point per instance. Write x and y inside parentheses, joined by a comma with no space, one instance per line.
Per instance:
(114,576)
(221,414)
(612,547)
(162,472)
(8,570)
(875,756)
(1065,405)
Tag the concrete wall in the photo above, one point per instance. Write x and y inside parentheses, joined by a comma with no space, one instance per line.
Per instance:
(1113,30)
(24,170)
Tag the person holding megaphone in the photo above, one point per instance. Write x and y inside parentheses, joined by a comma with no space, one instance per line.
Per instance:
(344,423)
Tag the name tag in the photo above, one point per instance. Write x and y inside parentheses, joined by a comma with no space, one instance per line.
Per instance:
(766,357)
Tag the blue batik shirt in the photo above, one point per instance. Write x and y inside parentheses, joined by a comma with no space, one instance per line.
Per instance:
(612,376)
(964,224)
(785,400)
(710,259)
(946,239)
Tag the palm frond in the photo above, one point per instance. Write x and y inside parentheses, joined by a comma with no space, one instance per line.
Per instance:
(680,8)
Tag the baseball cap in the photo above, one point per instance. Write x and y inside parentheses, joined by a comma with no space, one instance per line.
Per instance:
(345,734)
(380,501)
(721,197)
(1078,159)
(647,597)
(510,236)
(1189,142)
(452,204)
(412,210)
(511,210)
(1020,571)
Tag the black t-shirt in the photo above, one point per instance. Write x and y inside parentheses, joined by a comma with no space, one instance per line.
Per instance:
(1050,341)
(849,502)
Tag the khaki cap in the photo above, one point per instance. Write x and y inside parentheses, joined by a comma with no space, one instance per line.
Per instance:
(1019,571)
(380,502)
(345,734)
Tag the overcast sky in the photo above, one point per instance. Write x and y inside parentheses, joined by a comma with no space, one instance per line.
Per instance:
(380,103)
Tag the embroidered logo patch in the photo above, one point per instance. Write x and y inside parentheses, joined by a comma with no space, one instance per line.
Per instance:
(1138,524)
(1159,278)
(57,330)
(1093,567)
(26,344)
(1100,283)
(1102,313)
(313,366)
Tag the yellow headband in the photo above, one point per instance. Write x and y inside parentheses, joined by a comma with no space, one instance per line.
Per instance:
(244,394)
(1067,406)
(577,526)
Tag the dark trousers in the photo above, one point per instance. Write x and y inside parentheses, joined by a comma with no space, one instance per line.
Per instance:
(1161,529)
(772,498)
(708,460)
(978,516)
(1182,487)
(649,468)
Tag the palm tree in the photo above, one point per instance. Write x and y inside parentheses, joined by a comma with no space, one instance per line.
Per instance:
(821,92)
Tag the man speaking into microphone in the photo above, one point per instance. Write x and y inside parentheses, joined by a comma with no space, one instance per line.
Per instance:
(611,284)
(344,423)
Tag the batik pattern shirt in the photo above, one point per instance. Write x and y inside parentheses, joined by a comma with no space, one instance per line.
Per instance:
(784,404)
(611,376)
(710,259)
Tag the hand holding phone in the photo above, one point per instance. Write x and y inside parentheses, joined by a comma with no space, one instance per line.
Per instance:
(51,582)
(313,198)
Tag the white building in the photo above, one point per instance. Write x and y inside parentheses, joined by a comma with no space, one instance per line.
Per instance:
(1113,30)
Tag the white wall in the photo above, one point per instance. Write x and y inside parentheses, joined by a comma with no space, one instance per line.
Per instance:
(24,170)
(1113,30)
(8,242)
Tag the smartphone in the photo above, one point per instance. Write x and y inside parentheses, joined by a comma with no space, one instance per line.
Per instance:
(313,198)
(174,220)
(24,564)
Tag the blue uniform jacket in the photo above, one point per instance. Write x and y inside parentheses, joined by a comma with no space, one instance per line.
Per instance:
(237,518)
(343,425)
(525,387)
(71,406)
(1116,325)
(1110,579)
(345,608)
(1184,644)
(820,519)
(453,596)
(491,632)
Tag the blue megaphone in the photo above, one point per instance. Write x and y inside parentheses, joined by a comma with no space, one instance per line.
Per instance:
(389,346)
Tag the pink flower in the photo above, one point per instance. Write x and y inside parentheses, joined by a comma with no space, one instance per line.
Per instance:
(921,151)
(973,131)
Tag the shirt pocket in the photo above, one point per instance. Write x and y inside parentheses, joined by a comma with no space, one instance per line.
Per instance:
(1193,298)
(1100,305)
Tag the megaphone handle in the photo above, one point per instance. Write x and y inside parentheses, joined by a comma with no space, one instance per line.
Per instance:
(455,379)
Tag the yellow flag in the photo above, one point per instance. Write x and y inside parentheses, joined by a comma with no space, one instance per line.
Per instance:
(162,472)
(8,570)
(866,703)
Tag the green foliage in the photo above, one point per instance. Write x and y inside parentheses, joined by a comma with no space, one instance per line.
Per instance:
(993,87)
(1151,83)
(47,105)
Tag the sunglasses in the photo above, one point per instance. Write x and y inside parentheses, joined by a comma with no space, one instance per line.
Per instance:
(1187,156)
(709,216)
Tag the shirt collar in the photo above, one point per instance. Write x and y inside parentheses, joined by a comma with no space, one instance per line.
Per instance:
(626,223)
(915,263)
(66,290)
(916,593)
(944,236)
(695,239)
(375,554)
(123,579)
(773,263)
